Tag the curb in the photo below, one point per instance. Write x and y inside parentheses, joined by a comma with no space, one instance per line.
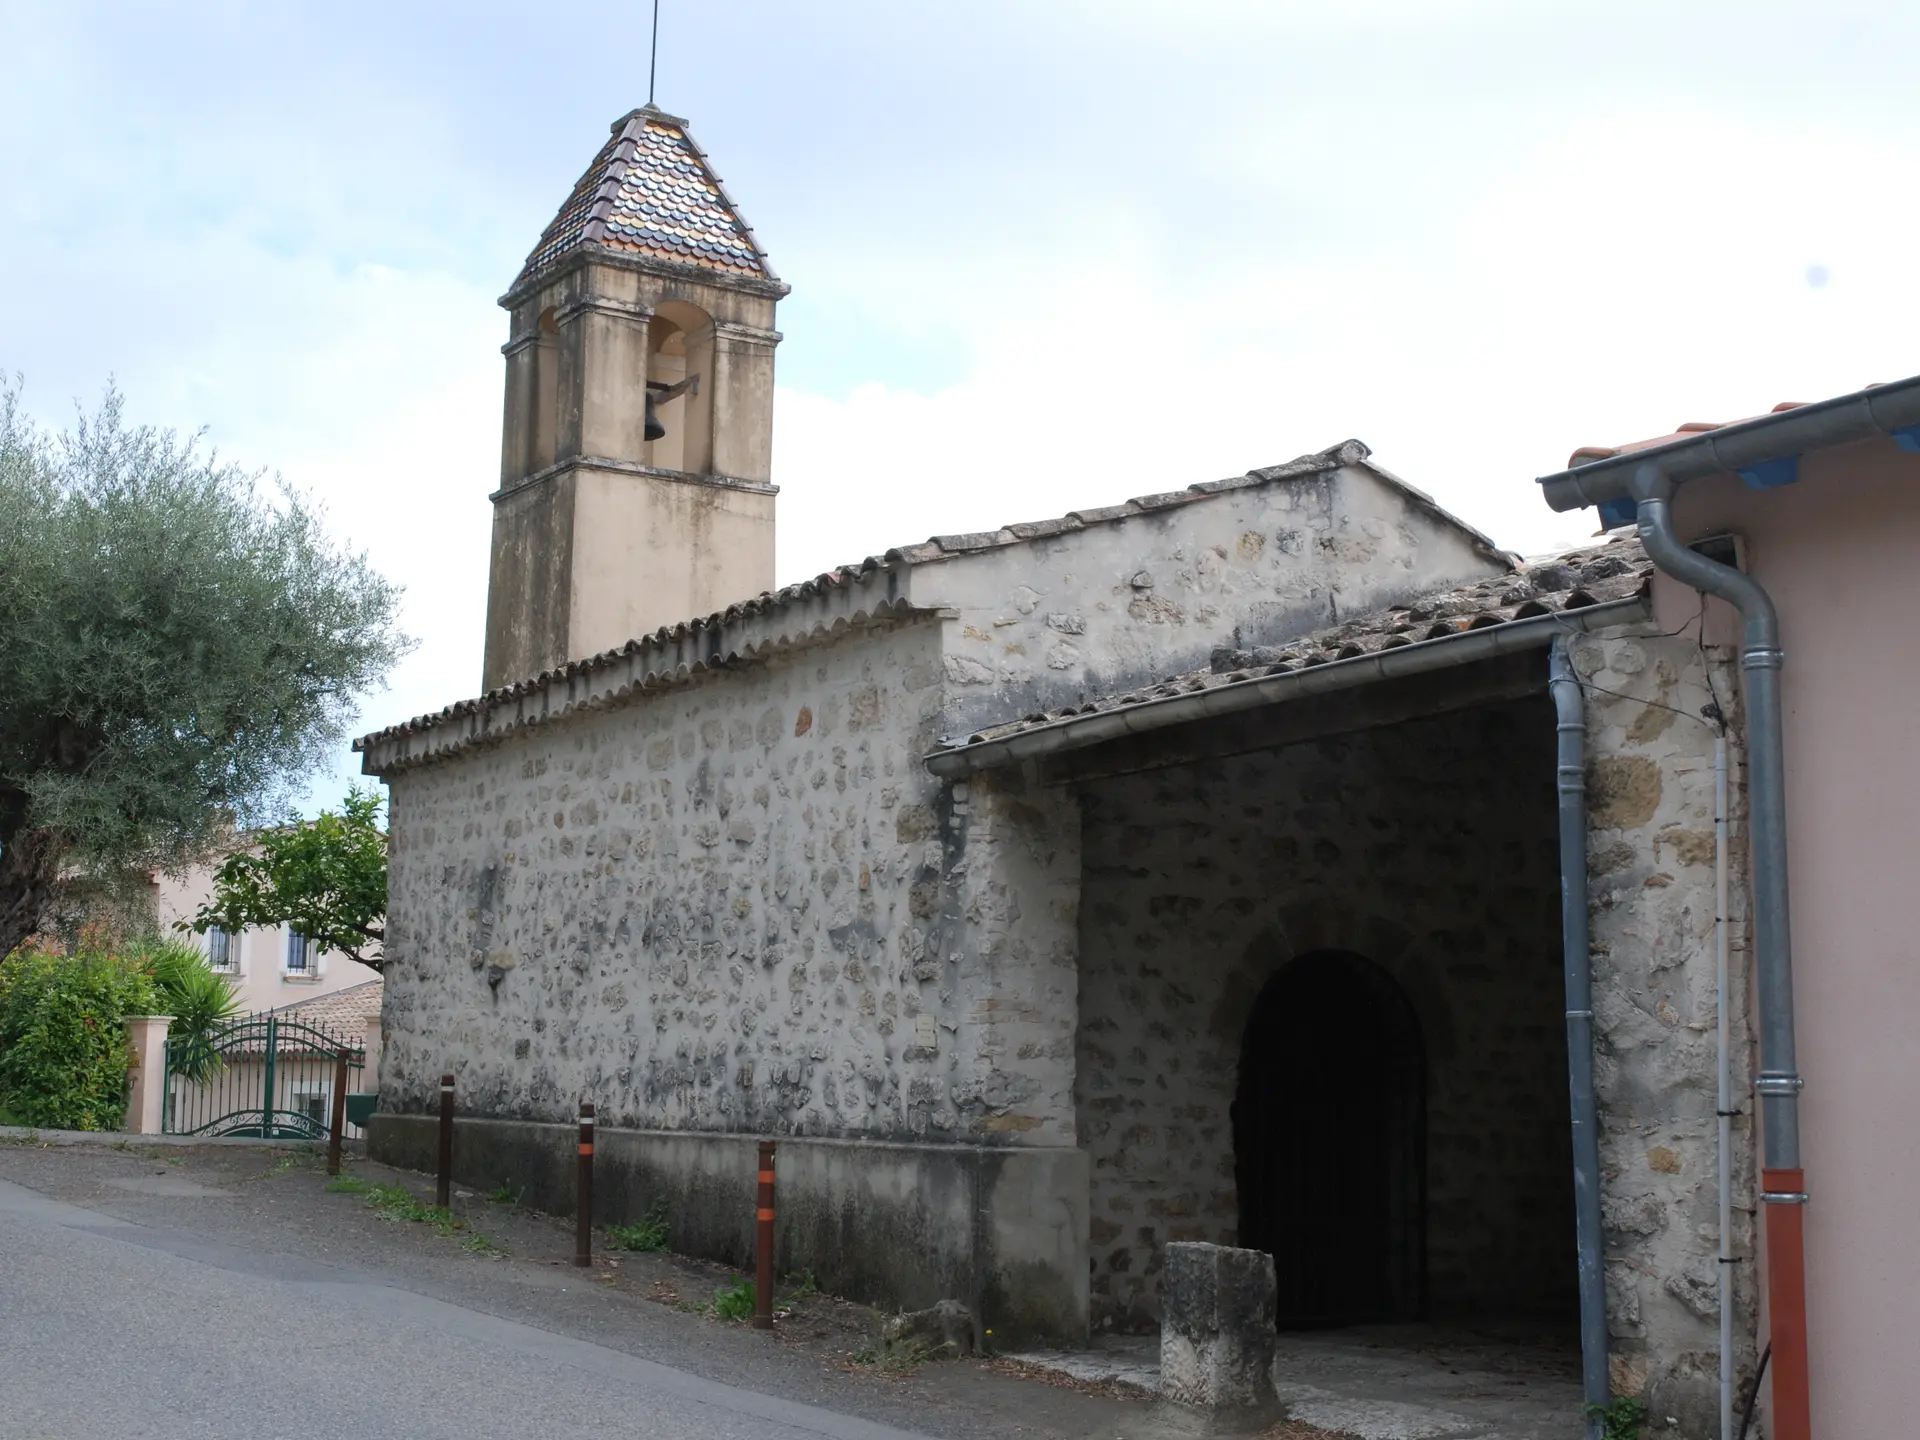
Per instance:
(119,1140)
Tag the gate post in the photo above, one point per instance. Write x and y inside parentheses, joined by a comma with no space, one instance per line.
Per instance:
(147,1073)
(273,1056)
(339,1118)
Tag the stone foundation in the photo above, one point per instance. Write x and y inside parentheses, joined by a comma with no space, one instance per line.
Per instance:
(904,1226)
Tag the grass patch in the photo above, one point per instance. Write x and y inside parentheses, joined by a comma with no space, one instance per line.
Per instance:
(1620,1420)
(289,1160)
(735,1302)
(894,1355)
(647,1234)
(506,1195)
(396,1202)
(803,1284)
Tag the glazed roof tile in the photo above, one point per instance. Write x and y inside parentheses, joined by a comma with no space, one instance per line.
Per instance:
(651,195)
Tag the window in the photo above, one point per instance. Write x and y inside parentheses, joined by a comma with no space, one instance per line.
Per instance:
(223,951)
(300,955)
(312,1101)
(316,1106)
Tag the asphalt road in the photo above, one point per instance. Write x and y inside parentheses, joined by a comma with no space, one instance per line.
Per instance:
(112,1328)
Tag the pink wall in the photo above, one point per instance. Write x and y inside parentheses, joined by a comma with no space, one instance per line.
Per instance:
(1840,554)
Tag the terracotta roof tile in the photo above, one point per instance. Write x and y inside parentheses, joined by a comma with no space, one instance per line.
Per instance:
(1587,454)
(340,1012)
(651,194)
(661,658)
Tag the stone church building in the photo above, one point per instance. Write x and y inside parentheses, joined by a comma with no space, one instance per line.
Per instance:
(1180,868)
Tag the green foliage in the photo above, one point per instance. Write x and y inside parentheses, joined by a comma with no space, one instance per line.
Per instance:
(802,1284)
(647,1234)
(199,1002)
(325,877)
(735,1302)
(506,1195)
(180,645)
(63,1037)
(1620,1419)
(893,1353)
(396,1202)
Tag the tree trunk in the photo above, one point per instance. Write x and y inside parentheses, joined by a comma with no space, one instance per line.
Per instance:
(29,884)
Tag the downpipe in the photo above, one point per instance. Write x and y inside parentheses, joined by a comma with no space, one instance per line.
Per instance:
(1782,1180)
(1723,1074)
(1570,710)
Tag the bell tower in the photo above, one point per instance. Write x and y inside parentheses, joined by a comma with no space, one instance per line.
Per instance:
(636,451)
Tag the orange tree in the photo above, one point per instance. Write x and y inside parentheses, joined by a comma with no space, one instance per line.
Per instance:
(326,877)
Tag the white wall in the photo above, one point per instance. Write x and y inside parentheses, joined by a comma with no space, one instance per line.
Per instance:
(262,981)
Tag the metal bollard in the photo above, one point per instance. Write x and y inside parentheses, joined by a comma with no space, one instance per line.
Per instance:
(583,1225)
(763,1243)
(443,1182)
(338,1130)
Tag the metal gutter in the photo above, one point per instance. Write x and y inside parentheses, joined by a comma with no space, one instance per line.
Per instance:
(1892,409)
(1076,732)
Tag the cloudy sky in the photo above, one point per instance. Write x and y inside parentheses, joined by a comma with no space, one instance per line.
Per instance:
(1044,253)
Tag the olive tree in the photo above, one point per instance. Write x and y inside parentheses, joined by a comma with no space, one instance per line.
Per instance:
(181,644)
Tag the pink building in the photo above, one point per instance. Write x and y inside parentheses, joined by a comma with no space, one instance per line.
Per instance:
(269,967)
(1823,502)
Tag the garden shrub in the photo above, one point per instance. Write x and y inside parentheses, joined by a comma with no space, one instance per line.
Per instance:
(63,1036)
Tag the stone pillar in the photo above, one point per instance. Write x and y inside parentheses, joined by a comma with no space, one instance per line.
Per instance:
(1013,927)
(147,1075)
(604,375)
(1217,1330)
(742,400)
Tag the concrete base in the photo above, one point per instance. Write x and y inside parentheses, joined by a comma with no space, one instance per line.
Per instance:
(1003,1230)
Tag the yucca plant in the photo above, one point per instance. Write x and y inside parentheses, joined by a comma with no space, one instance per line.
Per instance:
(199,1001)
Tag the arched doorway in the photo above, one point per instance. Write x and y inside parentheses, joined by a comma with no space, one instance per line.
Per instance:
(1329,1140)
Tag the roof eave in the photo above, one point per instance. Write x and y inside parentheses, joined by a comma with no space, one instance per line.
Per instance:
(590,254)
(1863,414)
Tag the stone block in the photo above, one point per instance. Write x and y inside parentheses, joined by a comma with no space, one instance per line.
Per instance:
(1217,1329)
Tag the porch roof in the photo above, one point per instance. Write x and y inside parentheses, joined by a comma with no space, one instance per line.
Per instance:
(1578,590)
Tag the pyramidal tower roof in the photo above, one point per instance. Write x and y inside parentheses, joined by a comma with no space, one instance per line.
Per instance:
(651,195)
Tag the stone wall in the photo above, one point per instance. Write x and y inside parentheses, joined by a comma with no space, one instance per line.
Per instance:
(1137,596)
(1428,848)
(1651,852)
(1002,1228)
(737,905)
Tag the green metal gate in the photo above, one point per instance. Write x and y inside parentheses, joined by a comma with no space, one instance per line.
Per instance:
(266,1075)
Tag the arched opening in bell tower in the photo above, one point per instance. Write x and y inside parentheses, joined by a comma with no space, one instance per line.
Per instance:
(679,348)
(544,433)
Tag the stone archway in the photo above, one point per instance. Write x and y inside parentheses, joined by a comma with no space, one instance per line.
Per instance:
(1329,1138)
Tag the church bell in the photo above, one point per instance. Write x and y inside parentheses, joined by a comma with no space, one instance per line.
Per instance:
(658,393)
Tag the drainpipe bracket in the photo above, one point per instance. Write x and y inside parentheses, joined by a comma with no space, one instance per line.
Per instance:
(1777,1084)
